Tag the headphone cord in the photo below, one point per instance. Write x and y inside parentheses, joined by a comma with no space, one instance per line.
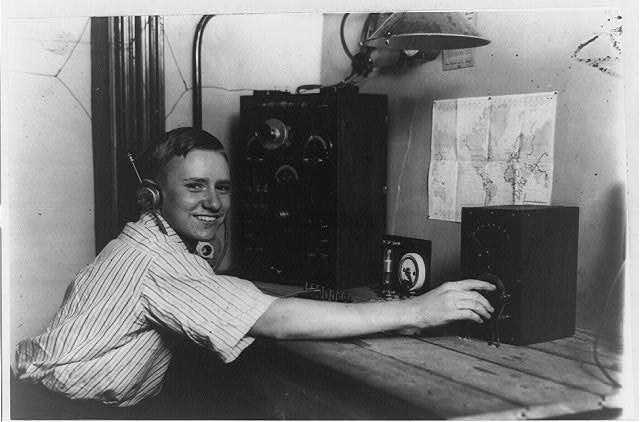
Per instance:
(345,48)
(598,334)
(158,221)
(225,244)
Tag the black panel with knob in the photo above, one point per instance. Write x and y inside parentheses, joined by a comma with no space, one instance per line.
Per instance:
(310,172)
(530,252)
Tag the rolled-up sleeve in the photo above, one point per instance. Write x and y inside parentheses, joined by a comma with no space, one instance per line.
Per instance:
(183,294)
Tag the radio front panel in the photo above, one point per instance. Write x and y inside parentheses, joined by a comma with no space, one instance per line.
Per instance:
(291,200)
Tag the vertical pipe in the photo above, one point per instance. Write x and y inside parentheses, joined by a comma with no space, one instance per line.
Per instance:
(142,86)
(128,110)
(156,80)
(131,90)
(103,128)
(120,111)
(197,71)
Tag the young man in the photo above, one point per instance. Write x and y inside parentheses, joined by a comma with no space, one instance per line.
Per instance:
(106,342)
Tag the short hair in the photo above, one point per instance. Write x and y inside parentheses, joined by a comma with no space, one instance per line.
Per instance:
(178,143)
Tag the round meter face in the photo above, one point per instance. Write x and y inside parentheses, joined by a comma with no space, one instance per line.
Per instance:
(411,271)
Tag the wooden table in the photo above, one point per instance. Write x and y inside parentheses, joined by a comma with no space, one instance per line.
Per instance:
(422,377)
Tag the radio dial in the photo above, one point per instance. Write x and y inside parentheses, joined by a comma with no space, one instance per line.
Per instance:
(286,174)
(498,298)
(316,150)
(254,150)
(273,134)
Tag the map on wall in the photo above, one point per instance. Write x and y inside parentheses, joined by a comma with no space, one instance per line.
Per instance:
(491,151)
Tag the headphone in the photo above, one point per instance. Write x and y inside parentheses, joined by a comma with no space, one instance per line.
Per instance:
(148,195)
(149,198)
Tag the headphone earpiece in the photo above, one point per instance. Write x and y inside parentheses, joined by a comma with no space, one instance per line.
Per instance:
(213,251)
(148,195)
(206,250)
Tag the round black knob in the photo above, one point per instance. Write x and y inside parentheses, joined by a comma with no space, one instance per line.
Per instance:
(498,297)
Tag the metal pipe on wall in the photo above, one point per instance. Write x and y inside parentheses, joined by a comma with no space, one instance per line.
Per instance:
(127,102)
(197,71)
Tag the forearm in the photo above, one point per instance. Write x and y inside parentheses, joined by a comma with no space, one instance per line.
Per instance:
(294,318)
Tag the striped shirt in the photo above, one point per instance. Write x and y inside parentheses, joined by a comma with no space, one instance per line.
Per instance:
(104,342)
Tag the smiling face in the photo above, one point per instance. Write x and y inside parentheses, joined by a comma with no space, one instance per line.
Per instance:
(196,193)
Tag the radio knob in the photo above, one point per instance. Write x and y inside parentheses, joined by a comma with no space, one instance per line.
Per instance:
(276,270)
(284,214)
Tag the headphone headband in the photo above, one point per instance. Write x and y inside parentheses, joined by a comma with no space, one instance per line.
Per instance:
(148,195)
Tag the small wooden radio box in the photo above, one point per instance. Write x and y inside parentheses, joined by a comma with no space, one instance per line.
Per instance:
(530,253)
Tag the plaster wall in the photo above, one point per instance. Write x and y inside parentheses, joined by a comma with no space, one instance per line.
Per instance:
(240,53)
(530,51)
(47,195)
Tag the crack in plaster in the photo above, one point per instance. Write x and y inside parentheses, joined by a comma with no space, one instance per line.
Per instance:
(57,74)
(220,88)
(86,24)
(175,61)
(177,102)
(46,75)
(75,98)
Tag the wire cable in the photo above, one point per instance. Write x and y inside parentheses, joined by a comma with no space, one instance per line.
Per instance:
(158,221)
(342,40)
(355,72)
(225,245)
(598,335)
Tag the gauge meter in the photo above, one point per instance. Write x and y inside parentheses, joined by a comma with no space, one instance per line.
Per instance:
(411,271)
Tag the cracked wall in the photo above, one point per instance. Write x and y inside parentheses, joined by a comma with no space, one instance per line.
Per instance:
(49,191)
(240,53)
(47,100)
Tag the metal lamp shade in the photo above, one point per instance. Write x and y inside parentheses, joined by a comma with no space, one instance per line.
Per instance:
(425,31)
